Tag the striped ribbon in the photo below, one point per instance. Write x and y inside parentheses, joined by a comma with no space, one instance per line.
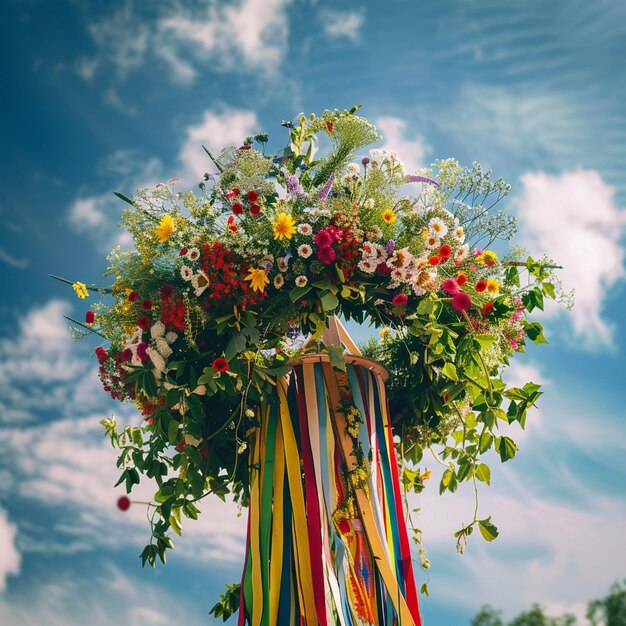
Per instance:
(327,542)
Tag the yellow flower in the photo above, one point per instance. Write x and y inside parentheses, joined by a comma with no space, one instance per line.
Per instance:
(81,290)
(257,279)
(284,226)
(384,332)
(389,217)
(488,257)
(426,475)
(425,233)
(165,229)
(493,285)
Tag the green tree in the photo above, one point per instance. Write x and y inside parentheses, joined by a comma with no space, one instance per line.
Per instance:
(611,610)
(487,616)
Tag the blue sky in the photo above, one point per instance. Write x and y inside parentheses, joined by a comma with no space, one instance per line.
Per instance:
(115,95)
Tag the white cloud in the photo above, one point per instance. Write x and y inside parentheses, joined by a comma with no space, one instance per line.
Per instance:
(216,130)
(13,261)
(106,596)
(243,35)
(396,137)
(574,218)
(338,24)
(551,552)
(11,558)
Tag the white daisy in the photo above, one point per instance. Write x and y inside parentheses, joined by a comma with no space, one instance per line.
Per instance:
(186,272)
(459,234)
(369,203)
(432,241)
(368,266)
(301,281)
(437,227)
(462,253)
(305,250)
(193,254)
(353,168)
(305,229)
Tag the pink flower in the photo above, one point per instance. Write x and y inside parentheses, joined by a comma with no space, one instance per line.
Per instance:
(450,286)
(326,254)
(323,239)
(461,301)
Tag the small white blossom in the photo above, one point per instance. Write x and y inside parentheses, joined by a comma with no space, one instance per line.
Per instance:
(305,229)
(186,272)
(437,227)
(305,250)
(193,254)
(369,203)
(301,281)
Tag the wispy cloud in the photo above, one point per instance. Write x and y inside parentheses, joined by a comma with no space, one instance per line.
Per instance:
(13,261)
(11,558)
(342,24)
(397,137)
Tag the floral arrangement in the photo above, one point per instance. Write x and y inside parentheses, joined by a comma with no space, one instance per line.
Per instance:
(204,314)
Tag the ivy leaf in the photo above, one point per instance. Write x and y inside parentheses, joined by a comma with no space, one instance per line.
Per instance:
(487,529)
(483,473)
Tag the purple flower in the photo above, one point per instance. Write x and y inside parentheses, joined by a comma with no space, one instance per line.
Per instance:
(294,188)
(365,160)
(390,246)
(322,195)
(413,178)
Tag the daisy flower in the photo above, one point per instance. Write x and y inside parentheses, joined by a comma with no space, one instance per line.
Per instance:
(493,286)
(305,250)
(305,229)
(193,254)
(437,227)
(459,234)
(461,254)
(389,217)
(369,203)
(368,266)
(165,229)
(432,241)
(186,272)
(284,226)
(301,281)
(353,168)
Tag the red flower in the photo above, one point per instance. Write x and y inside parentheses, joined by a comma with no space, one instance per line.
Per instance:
(461,301)
(127,355)
(255,209)
(220,365)
(330,127)
(133,296)
(323,239)
(146,305)
(480,285)
(90,317)
(102,354)
(123,503)
(237,208)
(166,291)
(235,192)
(400,299)
(326,254)
(142,351)
(445,251)
(181,445)
(143,322)
(183,251)
(461,279)
(434,260)
(383,269)
(252,196)
(487,309)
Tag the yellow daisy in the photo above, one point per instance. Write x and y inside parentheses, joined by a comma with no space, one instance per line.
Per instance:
(488,257)
(165,229)
(257,279)
(284,226)
(493,285)
(389,217)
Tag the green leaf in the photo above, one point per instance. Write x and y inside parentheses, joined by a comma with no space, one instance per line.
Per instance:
(329,301)
(483,473)
(172,431)
(236,345)
(335,354)
(449,370)
(424,589)
(485,340)
(121,196)
(297,292)
(487,529)
(506,448)
(486,439)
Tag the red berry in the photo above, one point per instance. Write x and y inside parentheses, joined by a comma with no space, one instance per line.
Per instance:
(123,503)
(90,317)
